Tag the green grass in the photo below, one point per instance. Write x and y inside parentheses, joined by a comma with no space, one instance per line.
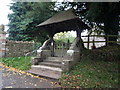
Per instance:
(98,68)
(91,74)
(21,63)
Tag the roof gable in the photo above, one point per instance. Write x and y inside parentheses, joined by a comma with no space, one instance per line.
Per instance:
(60,17)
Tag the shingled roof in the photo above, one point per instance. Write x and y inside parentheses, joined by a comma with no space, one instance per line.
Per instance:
(59,17)
(63,21)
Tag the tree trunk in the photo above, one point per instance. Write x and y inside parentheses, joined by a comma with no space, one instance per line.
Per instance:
(111,24)
(81,44)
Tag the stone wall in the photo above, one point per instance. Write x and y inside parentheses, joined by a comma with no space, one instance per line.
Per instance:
(13,48)
(17,48)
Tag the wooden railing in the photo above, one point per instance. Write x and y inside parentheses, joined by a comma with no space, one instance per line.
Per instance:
(60,49)
(107,39)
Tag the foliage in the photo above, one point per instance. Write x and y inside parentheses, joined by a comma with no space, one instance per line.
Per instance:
(92,74)
(24,19)
(107,13)
(21,63)
(63,37)
(109,53)
(37,45)
(98,15)
(26,15)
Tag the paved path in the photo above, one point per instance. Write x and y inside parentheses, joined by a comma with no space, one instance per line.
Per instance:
(12,79)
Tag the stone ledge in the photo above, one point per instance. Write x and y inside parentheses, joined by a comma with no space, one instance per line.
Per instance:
(43,53)
(66,65)
(36,60)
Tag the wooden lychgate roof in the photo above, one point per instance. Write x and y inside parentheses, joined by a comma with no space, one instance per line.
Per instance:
(60,17)
(63,21)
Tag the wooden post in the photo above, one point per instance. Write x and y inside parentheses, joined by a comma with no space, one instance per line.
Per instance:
(88,41)
(107,41)
(62,50)
(52,43)
(53,47)
(68,43)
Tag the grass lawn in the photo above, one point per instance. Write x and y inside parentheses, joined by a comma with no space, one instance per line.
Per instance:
(21,63)
(92,74)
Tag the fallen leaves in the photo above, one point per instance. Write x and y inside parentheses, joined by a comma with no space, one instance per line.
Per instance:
(8,87)
(95,74)
(23,76)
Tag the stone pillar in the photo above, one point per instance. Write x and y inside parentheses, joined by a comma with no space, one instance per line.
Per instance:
(74,51)
(73,54)
(42,53)
(2,41)
(45,50)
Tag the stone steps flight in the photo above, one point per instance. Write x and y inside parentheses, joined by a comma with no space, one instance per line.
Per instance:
(50,67)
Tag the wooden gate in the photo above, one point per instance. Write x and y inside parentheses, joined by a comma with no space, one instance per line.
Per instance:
(60,49)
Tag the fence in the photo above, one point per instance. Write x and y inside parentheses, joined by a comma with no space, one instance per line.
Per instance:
(102,41)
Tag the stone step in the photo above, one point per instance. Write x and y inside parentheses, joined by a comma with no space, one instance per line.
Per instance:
(53,61)
(55,58)
(51,64)
(47,71)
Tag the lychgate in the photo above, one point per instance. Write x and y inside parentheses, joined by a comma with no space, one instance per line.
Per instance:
(47,63)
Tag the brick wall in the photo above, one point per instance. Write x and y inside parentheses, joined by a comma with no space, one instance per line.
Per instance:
(2,43)
(17,48)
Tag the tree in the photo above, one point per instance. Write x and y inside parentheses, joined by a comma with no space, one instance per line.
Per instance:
(106,13)
(63,37)
(106,16)
(24,19)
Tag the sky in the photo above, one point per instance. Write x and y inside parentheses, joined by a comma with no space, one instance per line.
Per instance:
(4,11)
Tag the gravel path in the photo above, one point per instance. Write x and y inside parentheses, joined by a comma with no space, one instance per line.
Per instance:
(12,79)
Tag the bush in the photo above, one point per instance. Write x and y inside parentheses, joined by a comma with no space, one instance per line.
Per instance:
(109,53)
